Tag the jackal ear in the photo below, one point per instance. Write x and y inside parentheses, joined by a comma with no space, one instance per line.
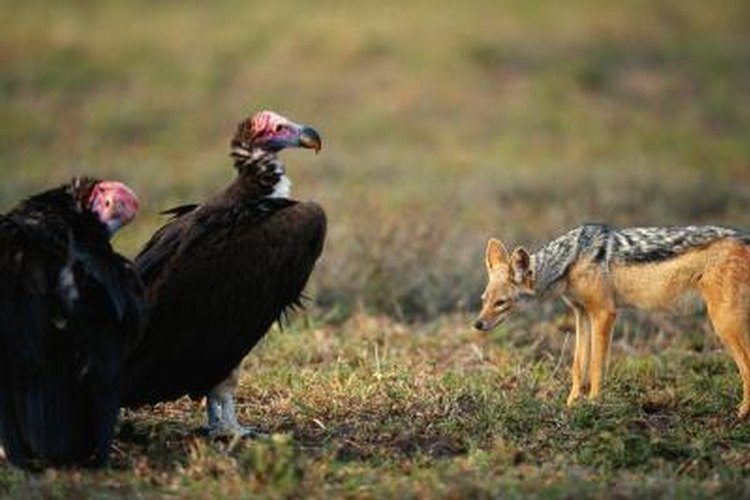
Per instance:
(496,254)
(520,264)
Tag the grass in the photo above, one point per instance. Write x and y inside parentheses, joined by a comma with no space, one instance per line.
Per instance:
(373,408)
(444,124)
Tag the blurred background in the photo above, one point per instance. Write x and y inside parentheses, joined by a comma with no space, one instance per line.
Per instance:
(443,122)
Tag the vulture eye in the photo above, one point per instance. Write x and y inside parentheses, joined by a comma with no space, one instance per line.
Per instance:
(278,128)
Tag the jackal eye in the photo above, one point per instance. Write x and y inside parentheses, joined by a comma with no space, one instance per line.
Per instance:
(501,302)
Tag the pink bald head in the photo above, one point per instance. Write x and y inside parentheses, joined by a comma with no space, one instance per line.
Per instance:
(114,203)
(272,132)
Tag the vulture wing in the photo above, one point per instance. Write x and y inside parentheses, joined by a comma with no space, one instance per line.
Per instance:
(156,253)
(217,278)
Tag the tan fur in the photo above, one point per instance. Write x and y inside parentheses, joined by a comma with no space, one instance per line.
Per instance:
(719,273)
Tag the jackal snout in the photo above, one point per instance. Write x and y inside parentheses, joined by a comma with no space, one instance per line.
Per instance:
(484,325)
(480,325)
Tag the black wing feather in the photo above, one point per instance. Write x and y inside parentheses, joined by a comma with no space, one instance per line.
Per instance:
(61,354)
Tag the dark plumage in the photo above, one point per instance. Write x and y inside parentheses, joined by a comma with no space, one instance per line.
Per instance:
(219,274)
(69,308)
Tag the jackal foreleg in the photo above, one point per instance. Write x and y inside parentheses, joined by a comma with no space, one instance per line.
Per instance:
(601,327)
(581,354)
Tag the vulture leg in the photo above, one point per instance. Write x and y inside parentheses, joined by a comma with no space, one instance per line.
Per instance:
(213,409)
(229,414)
(222,415)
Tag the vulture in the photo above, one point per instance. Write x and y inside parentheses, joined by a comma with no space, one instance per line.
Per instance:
(219,274)
(70,307)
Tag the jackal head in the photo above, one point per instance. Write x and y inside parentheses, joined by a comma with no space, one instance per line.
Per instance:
(510,281)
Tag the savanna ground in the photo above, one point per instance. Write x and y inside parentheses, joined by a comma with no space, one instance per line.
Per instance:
(443,123)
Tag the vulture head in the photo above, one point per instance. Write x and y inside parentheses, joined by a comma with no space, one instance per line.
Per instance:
(270,132)
(254,148)
(113,203)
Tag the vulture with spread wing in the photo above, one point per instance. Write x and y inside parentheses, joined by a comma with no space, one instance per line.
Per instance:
(219,274)
(70,307)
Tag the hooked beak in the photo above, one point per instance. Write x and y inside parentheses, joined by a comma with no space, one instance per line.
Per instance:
(309,138)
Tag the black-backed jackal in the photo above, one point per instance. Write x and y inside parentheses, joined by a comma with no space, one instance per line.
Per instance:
(596,269)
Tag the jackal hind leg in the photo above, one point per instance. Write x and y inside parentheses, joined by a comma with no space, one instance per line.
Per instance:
(732,329)
(580,356)
(726,289)
(601,329)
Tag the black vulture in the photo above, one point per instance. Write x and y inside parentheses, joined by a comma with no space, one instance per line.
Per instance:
(220,273)
(70,307)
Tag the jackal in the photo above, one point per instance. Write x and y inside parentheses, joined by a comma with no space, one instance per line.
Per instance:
(596,269)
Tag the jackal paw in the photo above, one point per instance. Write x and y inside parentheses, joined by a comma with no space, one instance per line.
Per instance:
(573,398)
(743,411)
(595,395)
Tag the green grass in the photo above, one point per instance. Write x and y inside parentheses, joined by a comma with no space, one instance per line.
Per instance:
(443,123)
(377,408)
